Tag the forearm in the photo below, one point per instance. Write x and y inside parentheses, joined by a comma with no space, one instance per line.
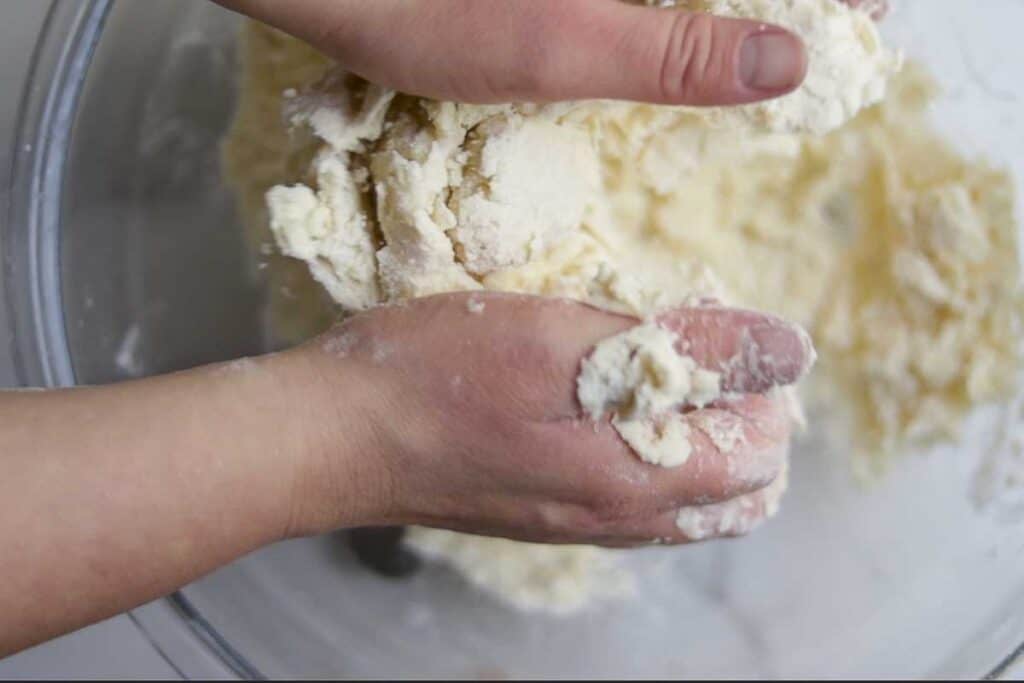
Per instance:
(117,495)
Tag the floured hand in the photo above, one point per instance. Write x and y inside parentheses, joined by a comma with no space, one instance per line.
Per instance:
(460,411)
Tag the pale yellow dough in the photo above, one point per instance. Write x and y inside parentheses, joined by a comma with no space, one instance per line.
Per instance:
(641,378)
(864,226)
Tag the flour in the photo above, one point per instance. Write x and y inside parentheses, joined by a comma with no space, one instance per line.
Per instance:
(735,517)
(724,429)
(127,357)
(340,345)
(508,209)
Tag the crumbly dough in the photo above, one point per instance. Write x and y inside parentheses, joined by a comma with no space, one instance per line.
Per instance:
(527,576)
(897,253)
(461,196)
(642,379)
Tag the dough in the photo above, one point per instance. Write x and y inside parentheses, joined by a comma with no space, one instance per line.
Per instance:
(641,378)
(896,252)
(528,576)
(463,196)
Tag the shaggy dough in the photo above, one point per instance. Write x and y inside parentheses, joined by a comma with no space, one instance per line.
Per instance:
(529,576)
(896,252)
(641,378)
(463,195)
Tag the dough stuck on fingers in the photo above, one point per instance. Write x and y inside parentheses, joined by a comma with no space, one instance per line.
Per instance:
(645,376)
(736,517)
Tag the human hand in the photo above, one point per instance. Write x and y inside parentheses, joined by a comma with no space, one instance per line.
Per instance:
(470,421)
(501,50)
(490,51)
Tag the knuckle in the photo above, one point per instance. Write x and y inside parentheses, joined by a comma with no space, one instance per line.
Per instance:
(544,339)
(525,78)
(611,502)
(534,69)
(540,75)
(688,58)
(575,521)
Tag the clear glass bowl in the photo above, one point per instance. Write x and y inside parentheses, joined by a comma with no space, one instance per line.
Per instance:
(124,256)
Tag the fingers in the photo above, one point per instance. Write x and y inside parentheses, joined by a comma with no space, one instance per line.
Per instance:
(738,516)
(608,49)
(734,448)
(753,351)
(670,56)
(500,51)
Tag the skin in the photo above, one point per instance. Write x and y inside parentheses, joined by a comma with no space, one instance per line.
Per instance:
(542,51)
(421,413)
(489,51)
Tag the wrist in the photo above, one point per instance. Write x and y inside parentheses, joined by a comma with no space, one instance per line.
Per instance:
(332,437)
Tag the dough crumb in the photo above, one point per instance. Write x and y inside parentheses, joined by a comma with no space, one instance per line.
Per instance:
(724,429)
(475,306)
(127,357)
(641,378)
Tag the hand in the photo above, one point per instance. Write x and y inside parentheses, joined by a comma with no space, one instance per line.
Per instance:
(469,421)
(421,413)
(490,51)
(513,50)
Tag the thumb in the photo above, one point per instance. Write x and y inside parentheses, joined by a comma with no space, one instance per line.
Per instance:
(501,51)
(621,51)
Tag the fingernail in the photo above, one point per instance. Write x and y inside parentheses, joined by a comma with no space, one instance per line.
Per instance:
(782,351)
(772,60)
(774,353)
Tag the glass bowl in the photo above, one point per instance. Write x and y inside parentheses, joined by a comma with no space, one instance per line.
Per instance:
(124,256)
